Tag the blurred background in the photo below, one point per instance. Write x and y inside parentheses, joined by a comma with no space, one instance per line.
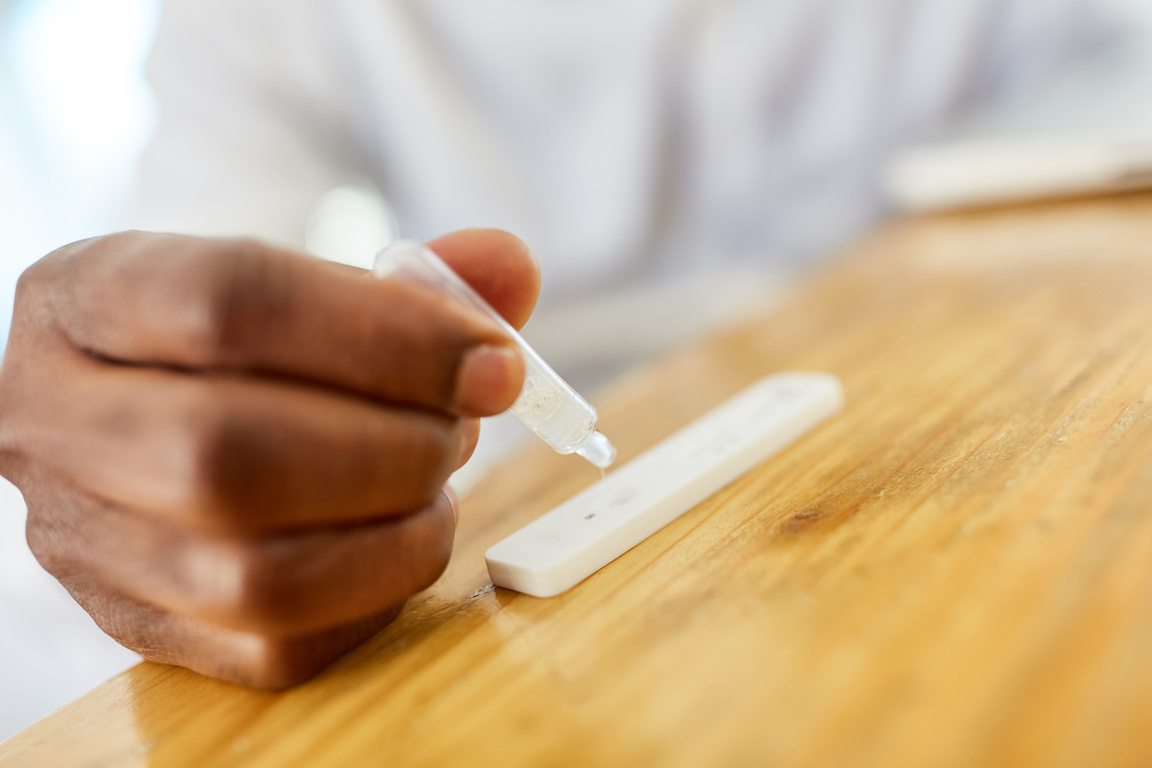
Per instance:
(75,114)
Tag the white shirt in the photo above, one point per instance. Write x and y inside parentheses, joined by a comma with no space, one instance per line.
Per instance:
(622,139)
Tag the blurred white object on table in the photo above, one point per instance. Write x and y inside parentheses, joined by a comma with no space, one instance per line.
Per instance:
(983,172)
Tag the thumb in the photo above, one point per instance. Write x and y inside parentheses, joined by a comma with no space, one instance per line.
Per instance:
(498,265)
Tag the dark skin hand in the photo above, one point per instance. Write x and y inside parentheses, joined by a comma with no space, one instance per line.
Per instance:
(234,456)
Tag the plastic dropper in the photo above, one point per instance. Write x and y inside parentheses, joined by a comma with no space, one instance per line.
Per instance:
(547,404)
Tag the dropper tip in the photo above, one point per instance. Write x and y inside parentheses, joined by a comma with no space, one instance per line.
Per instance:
(599,451)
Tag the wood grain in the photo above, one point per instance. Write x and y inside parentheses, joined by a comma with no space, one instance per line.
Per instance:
(957,571)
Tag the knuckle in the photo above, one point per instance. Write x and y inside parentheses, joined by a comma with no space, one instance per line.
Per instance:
(32,300)
(278,662)
(12,432)
(39,283)
(44,540)
(30,282)
(259,592)
(275,662)
(242,583)
(210,323)
(55,536)
(210,475)
(227,302)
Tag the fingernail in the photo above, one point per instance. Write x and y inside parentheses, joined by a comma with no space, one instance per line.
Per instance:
(469,438)
(489,380)
(453,502)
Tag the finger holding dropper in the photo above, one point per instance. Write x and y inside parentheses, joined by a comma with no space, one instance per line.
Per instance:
(547,404)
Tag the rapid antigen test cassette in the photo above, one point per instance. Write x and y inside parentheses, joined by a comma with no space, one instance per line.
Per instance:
(602,522)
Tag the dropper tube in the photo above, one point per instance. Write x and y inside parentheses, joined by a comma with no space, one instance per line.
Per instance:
(547,404)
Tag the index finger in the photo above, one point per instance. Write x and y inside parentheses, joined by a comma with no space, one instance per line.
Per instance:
(195,303)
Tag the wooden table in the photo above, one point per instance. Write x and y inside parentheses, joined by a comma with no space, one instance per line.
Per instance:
(957,571)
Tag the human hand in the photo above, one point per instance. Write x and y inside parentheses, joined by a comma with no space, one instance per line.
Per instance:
(234,456)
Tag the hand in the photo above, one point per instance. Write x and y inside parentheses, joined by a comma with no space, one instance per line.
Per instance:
(234,456)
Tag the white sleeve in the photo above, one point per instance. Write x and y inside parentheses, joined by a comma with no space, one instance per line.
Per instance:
(254,122)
